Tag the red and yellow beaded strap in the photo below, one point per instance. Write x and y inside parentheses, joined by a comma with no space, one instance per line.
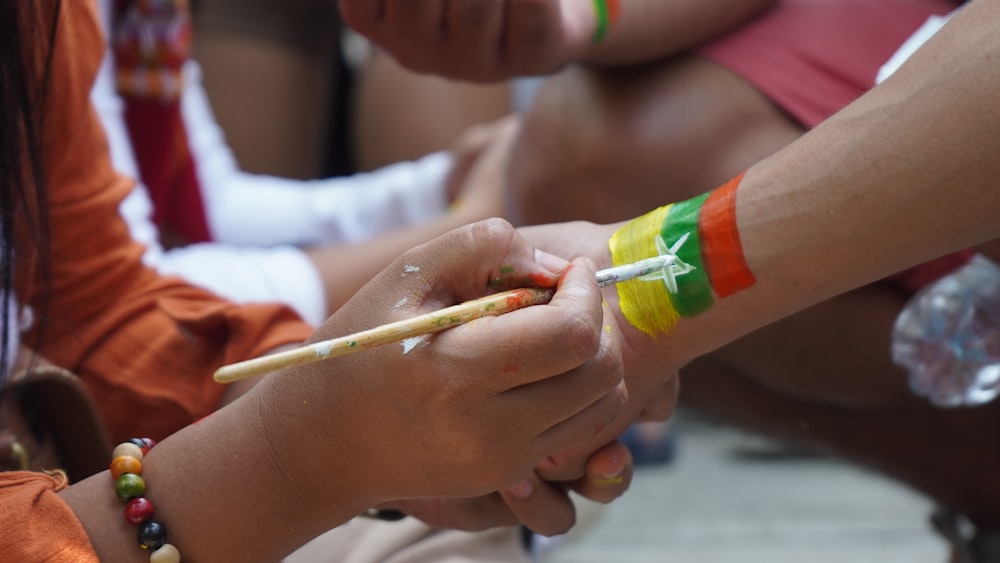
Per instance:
(701,235)
(126,470)
(607,12)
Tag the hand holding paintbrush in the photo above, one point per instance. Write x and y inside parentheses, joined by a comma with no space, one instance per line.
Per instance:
(429,323)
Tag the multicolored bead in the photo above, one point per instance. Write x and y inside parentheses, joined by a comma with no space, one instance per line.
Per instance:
(138,510)
(152,535)
(129,486)
(166,553)
(125,464)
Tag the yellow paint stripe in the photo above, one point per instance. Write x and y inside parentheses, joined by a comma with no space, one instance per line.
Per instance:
(645,303)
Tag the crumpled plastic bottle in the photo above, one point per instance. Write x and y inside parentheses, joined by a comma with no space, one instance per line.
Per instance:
(948,337)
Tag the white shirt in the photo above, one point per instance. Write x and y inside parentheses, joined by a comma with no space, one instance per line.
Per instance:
(258,221)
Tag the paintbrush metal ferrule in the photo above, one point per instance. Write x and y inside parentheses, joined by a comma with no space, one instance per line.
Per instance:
(634,270)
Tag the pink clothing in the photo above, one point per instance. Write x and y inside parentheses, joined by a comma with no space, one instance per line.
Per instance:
(786,52)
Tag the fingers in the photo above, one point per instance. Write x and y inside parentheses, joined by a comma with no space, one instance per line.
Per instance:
(608,474)
(474,32)
(570,464)
(541,341)
(480,40)
(543,507)
(480,168)
(569,388)
(533,33)
(415,27)
(477,406)
(466,152)
(662,402)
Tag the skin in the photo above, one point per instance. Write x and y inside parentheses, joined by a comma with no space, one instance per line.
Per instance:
(464,375)
(500,39)
(287,89)
(477,195)
(859,181)
(434,113)
(436,109)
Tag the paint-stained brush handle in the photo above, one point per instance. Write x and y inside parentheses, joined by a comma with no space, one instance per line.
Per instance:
(443,319)
(437,321)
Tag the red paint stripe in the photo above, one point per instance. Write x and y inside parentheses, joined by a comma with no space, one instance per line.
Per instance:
(614,10)
(722,252)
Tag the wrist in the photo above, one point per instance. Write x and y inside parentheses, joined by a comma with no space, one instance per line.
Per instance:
(603,20)
(222,484)
(312,454)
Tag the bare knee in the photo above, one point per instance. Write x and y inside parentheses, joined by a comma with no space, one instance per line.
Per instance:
(609,145)
(576,148)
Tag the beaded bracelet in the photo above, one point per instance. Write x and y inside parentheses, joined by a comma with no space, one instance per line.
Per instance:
(126,471)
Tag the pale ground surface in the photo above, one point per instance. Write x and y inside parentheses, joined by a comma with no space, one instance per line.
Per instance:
(713,505)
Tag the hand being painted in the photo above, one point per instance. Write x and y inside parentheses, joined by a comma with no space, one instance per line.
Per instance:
(650,366)
(473,409)
(479,40)
(701,237)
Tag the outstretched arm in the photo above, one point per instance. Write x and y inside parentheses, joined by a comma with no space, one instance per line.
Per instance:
(904,174)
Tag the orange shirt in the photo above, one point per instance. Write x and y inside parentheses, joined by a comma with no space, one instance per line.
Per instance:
(144,345)
(37,524)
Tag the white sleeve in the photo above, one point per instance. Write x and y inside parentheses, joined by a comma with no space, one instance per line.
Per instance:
(250,209)
(910,46)
(136,208)
(282,273)
(252,274)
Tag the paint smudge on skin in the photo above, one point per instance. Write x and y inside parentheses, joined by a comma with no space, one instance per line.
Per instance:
(508,278)
(410,343)
(410,269)
(607,482)
(399,304)
(700,235)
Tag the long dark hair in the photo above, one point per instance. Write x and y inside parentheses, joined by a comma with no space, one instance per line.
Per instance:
(25,60)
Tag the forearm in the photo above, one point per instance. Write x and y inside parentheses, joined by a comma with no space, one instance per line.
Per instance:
(650,29)
(219,494)
(905,174)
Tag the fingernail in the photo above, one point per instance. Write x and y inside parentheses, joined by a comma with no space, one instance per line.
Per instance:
(522,489)
(612,468)
(550,262)
(615,473)
(607,482)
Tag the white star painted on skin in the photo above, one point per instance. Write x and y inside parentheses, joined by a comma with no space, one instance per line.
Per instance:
(676,268)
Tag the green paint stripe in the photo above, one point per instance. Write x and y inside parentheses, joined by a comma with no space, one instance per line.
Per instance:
(694,290)
(601,10)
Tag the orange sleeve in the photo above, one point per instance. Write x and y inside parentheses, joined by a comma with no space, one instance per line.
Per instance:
(37,525)
(145,345)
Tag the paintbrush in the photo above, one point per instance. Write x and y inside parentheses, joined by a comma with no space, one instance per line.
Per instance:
(429,323)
